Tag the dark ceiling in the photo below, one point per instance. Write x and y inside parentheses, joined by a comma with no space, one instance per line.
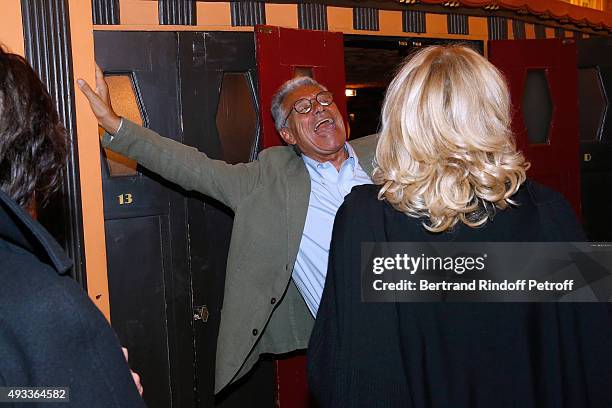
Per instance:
(370,67)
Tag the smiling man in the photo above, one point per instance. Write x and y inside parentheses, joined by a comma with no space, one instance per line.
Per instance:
(284,204)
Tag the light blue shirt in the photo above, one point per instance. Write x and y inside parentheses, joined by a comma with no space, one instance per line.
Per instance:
(328,187)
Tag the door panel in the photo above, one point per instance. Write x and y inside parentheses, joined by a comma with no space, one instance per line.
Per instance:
(526,63)
(221,118)
(282,54)
(167,248)
(146,230)
(282,51)
(133,322)
(595,107)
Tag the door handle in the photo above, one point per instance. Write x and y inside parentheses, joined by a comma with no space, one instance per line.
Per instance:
(201,313)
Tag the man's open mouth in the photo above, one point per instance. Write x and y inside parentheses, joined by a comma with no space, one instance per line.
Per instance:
(323,122)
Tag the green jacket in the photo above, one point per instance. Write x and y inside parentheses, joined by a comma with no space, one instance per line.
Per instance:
(263,311)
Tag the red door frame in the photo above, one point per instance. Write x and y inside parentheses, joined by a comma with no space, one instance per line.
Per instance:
(279,52)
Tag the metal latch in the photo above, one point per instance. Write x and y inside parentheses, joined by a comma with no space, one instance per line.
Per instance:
(201,313)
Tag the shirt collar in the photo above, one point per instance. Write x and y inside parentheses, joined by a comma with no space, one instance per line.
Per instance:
(352,159)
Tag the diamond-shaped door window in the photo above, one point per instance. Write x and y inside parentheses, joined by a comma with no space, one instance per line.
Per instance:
(537,106)
(236,117)
(592,104)
(125,103)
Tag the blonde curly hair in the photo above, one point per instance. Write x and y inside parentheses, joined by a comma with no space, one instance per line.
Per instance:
(446,151)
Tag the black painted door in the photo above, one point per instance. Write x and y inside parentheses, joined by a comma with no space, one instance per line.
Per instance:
(146,222)
(220,117)
(167,248)
(595,119)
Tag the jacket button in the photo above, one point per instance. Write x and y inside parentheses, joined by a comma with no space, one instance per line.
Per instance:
(289,266)
(255,331)
(273,300)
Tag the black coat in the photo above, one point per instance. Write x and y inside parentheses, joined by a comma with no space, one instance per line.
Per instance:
(51,334)
(456,355)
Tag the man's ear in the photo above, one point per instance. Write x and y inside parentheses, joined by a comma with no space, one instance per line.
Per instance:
(287,136)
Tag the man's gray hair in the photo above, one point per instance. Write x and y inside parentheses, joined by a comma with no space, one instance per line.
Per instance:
(278,113)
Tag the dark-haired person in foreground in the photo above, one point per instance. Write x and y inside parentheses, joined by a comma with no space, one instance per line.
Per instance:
(51,334)
(448,170)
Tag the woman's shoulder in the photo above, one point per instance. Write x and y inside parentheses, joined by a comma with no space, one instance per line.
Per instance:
(364,191)
(363,197)
(558,219)
(360,207)
(542,195)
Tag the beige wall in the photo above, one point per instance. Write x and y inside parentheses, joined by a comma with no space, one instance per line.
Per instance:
(11,28)
(134,12)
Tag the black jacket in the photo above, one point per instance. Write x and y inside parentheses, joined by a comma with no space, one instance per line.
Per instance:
(456,355)
(51,334)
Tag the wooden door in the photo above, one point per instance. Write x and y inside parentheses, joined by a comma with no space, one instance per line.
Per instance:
(595,119)
(283,54)
(145,222)
(543,85)
(167,248)
(220,118)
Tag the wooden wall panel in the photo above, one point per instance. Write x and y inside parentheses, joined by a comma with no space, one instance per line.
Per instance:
(436,25)
(530,31)
(11,27)
(391,22)
(340,19)
(284,15)
(139,12)
(48,49)
(83,65)
(214,14)
(478,27)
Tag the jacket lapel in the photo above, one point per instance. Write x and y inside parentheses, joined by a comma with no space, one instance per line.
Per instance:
(298,198)
(365,149)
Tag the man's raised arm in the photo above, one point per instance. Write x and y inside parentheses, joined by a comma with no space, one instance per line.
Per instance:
(178,163)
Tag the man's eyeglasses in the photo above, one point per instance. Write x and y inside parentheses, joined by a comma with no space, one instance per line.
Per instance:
(304,105)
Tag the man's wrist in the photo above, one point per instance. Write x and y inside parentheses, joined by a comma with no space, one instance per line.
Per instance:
(112,135)
(112,124)
(120,125)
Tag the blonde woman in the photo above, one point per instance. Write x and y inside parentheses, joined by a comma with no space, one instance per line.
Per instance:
(448,170)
